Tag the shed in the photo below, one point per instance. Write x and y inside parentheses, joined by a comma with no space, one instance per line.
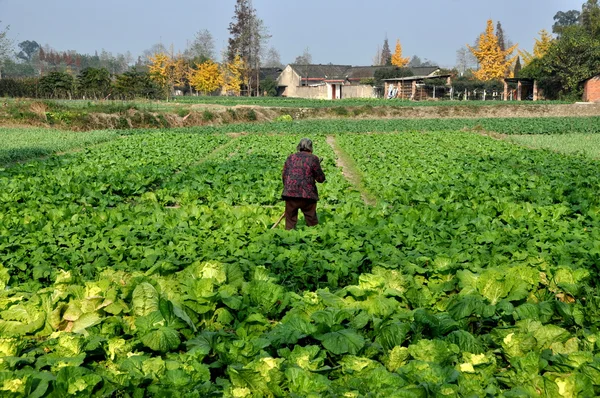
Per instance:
(408,87)
(526,88)
(591,89)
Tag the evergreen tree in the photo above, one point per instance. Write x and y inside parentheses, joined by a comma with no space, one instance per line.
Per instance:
(517,67)
(240,40)
(500,36)
(386,53)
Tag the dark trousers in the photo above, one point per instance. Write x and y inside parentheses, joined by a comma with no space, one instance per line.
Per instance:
(308,207)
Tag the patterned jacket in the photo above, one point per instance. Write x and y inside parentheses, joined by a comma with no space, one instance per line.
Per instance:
(300,172)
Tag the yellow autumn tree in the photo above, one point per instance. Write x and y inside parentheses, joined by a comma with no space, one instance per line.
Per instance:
(159,68)
(207,77)
(232,76)
(493,62)
(397,59)
(540,48)
(542,44)
(168,71)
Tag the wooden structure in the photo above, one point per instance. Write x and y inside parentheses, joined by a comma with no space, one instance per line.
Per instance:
(411,87)
(526,89)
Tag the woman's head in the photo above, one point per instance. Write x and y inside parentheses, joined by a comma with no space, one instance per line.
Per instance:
(305,145)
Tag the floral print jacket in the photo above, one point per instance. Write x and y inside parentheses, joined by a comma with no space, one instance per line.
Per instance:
(300,172)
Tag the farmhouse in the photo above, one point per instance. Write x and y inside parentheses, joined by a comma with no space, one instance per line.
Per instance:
(591,89)
(334,81)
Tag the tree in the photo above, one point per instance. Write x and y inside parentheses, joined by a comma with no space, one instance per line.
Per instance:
(590,17)
(465,60)
(377,57)
(134,83)
(247,36)
(304,59)
(565,19)
(494,63)
(202,48)
(207,77)
(94,83)
(500,36)
(386,53)
(572,58)
(397,59)
(517,69)
(390,73)
(28,50)
(272,59)
(540,48)
(57,85)
(168,71)
(232,76)
(5,46)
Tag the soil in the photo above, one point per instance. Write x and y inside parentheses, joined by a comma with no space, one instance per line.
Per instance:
(349,172)
(212,114)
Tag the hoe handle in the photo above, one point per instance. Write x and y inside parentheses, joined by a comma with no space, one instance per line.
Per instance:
(278,221)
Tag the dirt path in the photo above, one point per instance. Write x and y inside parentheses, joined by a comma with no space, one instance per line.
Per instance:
(349,171)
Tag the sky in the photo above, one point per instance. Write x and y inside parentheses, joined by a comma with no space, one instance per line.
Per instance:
(334,31)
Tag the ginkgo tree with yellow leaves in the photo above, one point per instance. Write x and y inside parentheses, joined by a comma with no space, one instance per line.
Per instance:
(233,73)
(540,48)
(494,63)
(206,77)
(397,59)
(167,71)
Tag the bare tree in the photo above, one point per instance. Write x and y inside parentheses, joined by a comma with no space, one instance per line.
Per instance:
(377,57)
(202,48)
(155,49)
(304,59)
(272,59)
(465,60)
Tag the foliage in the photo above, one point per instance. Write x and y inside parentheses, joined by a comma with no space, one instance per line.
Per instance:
(134,84)
(94,83)
(20,144)
(493,62)
(397,59)
(28,49)
(571,59)
(475,275)
(386,53)
(202,48)
(565,19)
(206,77)
(168,71)
(57,85)
(390,73)
(5,45)
(268,86)
(232,76)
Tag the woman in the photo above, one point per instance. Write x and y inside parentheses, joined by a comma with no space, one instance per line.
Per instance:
(300,172)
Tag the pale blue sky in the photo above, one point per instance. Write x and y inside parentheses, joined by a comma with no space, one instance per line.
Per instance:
(336,31)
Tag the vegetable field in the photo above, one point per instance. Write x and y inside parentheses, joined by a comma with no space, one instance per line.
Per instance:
(147,266)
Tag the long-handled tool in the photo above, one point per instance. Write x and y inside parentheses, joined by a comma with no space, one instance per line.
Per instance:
(278,221)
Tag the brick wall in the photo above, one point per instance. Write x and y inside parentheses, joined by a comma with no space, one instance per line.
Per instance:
(591,90)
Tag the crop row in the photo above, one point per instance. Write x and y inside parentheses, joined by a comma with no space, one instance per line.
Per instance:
(474,275)
(19,143)
(545,125)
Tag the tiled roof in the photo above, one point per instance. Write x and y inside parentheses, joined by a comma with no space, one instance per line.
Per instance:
(322,72)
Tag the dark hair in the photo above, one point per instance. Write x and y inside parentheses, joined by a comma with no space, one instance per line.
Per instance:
(305,145)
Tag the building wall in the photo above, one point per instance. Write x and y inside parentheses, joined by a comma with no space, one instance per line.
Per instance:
(360,91)
(314,92)
(290,79)
(591,90)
